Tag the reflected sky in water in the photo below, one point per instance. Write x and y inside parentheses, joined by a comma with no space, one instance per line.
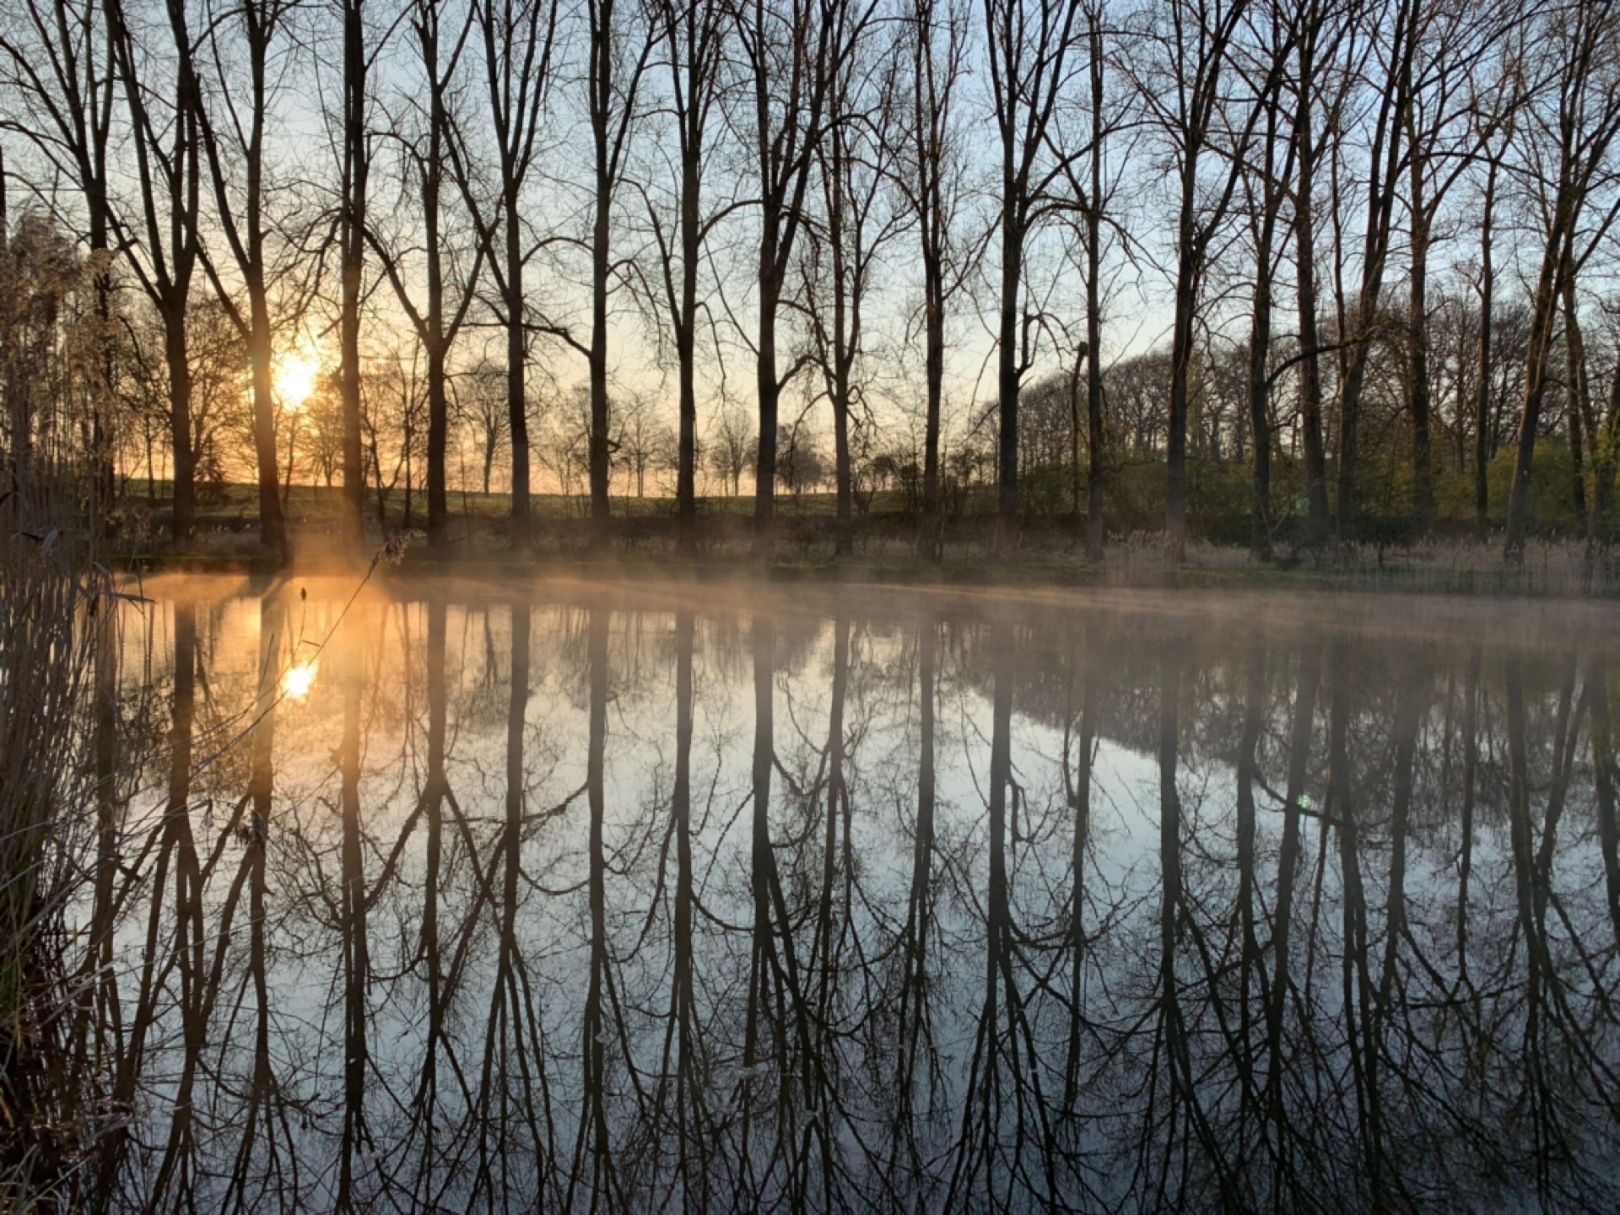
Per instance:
(574,898)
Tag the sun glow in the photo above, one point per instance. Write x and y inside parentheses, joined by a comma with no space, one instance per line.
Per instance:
(296,374)
(298,680)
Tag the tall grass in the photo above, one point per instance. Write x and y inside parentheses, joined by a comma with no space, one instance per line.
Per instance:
(58,655)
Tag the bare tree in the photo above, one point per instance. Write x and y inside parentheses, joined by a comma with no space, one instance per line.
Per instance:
(644,441)
(1094,202)
(481,400)
(1092,186)
(234,123)
(800,464)
(929,176)
(1450,44)
(60,70)
(1189,99)
(844,247)
(693,33)
(566,439)
(438,318)
(518,39)
(1572,135)
(353,179)
(162,247)
(1386,66)
(733,439)
(793,52)
(1032,51)
(1267,195)
(1320,31)
(614,80)
(1486,369)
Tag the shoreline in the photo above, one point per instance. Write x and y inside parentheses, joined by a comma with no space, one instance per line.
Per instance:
(1594,576)
(1528,623)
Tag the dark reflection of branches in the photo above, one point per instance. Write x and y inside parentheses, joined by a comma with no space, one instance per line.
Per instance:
(1606,777)
(263,1115)
(1186,1120)
(679,1111)
(593,1150)
(108,1013)
(918,1064)
(1078,782)
(1288,872)
(1470,792)
(912,912)
(777,1039)
(425,1119)
(1555,1028)
(356,955)
(177,1167)
(1356,990)
(1004,1107)
(176,854)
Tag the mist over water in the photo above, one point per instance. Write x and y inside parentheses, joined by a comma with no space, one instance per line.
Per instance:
(562,897)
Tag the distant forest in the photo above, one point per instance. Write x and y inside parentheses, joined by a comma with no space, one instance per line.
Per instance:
(1273,273)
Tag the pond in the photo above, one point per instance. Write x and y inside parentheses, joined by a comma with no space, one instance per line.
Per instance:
(572,896)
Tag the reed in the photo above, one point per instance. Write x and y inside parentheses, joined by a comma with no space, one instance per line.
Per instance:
(58,659)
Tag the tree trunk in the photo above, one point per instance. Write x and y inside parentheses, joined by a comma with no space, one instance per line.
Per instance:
(1577,466)
(1259,398)
(1008,374)
(1482,398)
(685,332)
(1073,393)
(1095,438)
(1543,314)
(272,523)
(437,395)
(1417,372)
(1181,354)
(1260,343)
(1389,122)
(517,412)
(1310,367)
(1583,416)
(598,357)
(846,304)
(356,166)
(842,473)
(769,392)
(185,480)
(1605,455)
(934,387)
(437,446)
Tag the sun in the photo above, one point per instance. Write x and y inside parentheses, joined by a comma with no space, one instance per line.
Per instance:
(298,680)
(296,374)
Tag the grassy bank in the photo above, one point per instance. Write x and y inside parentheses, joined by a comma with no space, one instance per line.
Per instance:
(881,546)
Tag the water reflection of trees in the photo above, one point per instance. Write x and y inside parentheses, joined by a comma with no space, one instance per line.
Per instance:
(550,906)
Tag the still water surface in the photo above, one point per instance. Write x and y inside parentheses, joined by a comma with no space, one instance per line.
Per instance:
(595,898)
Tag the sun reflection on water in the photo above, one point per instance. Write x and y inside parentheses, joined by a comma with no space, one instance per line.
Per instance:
(298,680)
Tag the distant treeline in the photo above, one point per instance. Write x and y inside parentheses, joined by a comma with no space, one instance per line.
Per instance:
(668,247)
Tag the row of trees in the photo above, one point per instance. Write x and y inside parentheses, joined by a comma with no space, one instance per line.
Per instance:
(826,196)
